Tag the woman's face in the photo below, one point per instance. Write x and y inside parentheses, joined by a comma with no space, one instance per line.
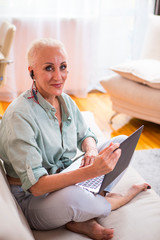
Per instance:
(50,72)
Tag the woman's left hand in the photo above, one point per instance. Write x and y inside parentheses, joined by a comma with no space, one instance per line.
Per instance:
(89,157)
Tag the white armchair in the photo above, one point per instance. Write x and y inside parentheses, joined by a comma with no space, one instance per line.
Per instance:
(7,31)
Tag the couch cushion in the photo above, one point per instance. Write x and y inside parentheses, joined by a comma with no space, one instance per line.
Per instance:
(145,71)
(13,225)
(133,93)
(133,98)
(138,220)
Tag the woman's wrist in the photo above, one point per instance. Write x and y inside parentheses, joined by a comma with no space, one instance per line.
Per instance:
(89,144)
(92,150)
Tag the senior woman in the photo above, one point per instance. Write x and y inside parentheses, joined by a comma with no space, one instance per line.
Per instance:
(39,135)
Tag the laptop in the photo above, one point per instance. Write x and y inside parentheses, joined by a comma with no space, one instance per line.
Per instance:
(98,184)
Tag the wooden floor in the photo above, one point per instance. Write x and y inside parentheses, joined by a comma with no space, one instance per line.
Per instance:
(100,105)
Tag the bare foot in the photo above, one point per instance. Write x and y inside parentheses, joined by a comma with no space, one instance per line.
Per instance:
(92,229)
(118,200)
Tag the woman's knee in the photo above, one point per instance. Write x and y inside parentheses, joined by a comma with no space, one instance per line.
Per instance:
(53,211)
(83,205)
(117,139)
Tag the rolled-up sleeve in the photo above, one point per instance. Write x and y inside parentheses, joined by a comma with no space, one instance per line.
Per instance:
(23,151)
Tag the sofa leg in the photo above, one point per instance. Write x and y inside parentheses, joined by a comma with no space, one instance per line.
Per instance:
(113,116)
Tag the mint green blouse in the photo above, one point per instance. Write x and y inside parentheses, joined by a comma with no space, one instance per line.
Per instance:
(31,143)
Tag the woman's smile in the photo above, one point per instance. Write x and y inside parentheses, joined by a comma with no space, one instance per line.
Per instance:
(57,85)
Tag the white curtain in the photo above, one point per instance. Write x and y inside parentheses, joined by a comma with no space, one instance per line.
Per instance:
(96,33)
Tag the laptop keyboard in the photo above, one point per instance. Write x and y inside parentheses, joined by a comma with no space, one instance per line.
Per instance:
(92,183)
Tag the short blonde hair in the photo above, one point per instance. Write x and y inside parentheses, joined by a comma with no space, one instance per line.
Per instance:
(41,43)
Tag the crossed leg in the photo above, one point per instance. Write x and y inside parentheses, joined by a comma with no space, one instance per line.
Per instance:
(92,228)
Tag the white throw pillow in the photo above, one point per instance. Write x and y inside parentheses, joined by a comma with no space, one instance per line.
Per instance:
(146,71)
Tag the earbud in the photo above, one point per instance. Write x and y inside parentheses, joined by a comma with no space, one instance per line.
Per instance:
(35,95)
(32,74)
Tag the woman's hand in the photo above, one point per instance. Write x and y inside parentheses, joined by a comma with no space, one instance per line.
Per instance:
(89,157)
(107,159)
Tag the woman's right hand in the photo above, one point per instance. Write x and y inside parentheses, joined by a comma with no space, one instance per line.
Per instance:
(103,163)
(107,159)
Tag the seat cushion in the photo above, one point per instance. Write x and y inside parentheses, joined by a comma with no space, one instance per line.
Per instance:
(133,98)
(13,225)
(138,220)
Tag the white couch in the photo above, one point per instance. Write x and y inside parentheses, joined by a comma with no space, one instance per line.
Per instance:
(138,220)
(135,89)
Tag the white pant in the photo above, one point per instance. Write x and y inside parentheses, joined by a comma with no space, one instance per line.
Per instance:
(60,207)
